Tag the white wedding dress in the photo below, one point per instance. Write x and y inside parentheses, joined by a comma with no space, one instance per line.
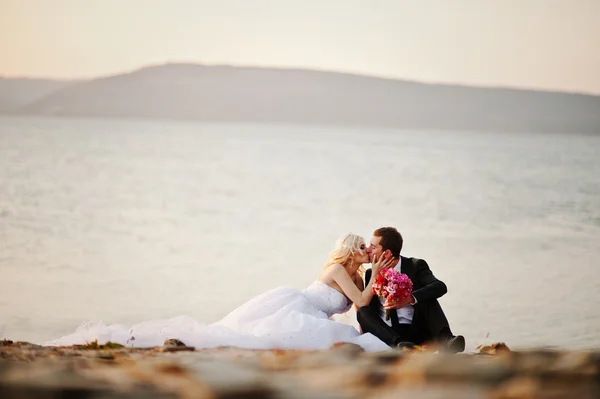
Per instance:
(282,318)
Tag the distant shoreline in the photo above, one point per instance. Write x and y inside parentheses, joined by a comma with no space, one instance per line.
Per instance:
(273,125)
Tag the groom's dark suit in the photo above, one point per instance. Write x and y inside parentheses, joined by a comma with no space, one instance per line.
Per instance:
(428,323)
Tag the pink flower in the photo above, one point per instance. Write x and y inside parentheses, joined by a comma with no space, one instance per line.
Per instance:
(391,284)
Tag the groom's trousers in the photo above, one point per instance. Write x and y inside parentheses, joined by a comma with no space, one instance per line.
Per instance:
(429,324)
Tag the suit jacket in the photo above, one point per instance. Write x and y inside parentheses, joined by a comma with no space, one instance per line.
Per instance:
(426,287)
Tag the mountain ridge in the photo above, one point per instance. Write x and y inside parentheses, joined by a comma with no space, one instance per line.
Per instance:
(304,96)
(20,91)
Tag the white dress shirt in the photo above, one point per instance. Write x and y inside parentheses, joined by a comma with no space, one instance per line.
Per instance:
(405,314)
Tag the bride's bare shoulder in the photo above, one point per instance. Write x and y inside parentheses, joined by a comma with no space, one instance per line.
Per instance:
(331,271)
(335,268)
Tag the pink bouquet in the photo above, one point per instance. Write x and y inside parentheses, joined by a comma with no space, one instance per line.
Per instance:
(393,285)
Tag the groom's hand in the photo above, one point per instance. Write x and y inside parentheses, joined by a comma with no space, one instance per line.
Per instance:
(397,304)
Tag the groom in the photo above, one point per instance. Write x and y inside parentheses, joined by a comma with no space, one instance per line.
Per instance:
(417,319)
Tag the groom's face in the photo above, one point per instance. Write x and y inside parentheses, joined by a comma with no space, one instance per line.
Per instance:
(376,250)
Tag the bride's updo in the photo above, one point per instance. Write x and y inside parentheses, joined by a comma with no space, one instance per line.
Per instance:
(345,248)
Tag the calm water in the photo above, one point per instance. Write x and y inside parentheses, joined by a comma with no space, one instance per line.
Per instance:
(131,220)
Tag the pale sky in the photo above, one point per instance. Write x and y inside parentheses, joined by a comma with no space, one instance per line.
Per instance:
(547,44)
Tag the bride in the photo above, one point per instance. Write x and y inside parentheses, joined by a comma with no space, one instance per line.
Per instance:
(282,318)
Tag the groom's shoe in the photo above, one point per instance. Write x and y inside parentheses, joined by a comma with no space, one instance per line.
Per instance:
(455,344)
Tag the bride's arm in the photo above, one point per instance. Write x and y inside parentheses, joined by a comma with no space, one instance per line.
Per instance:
(342,278)
(360,284)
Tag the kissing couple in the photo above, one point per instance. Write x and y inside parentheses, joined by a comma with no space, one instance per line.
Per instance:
(288,318)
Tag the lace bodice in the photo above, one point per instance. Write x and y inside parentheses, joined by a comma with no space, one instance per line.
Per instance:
(327,299)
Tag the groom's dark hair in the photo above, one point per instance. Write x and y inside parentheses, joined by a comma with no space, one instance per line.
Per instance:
(390,239)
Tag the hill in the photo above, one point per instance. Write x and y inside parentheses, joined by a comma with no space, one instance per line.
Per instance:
(17,92)
(222,93)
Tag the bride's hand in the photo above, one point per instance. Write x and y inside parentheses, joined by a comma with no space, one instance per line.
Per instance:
(380,264)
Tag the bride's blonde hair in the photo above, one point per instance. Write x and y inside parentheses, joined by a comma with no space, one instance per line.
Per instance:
(345,248)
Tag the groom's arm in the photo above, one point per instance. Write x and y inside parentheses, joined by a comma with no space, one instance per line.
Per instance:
(431,287)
